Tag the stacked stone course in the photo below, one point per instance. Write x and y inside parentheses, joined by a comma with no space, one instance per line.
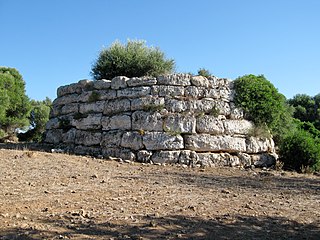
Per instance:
(175,118)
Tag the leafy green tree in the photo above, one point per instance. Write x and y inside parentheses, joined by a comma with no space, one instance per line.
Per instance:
(263,104)
(204,72)
(38,118)
(134,59)
(306,108)
(14,102)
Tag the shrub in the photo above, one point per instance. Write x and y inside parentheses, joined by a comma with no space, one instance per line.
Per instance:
(204,72)
(300,150)
(263,104)
(134,59)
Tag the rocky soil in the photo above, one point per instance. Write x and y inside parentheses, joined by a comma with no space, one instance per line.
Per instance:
(58,196)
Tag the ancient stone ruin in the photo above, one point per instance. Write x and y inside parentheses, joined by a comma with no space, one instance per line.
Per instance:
(175,118)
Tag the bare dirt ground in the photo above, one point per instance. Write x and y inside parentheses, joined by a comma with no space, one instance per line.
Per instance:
(58,196)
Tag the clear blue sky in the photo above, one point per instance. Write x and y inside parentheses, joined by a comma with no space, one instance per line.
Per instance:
(55,42)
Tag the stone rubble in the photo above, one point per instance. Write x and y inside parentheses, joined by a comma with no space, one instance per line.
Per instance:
(175,118)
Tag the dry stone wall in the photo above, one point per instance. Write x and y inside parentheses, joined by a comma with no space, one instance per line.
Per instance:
(175,118)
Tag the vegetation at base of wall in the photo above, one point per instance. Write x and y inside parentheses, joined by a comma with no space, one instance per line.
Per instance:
(263,104)
(204,72)
(133,59)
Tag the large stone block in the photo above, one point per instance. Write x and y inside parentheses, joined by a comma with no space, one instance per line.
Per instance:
(235,113)
(188,157)
(53,123)
(148,103)
(72,98)
(69,89)
(119,82)
(132,140)
(164,91)
(117,106)
(97,95)
(53,136)
(111,139)
(102,84)
(69,136)
(162,141)
(134,92)
(120,122)
(85,150)
(141,81)
(124,154)
(201,81)
(174,105)
(144,156)
(237,127)
(210,159)
(90,122)
(260,145)
(87,138)
(166,157)
(93,107)
(70,108)
(210,143)
(264,160)
(147,121)
(209,124)
(175,79)
(179,123)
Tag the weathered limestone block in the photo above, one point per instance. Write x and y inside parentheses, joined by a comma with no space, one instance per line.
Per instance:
(124,154)
(201,81)
(237,127)
(55,111)
(121,122)
(86,84)
(87,138)
(175,79)
(259,145)
(141,81)
(144,156)
(69,89)
(70,108)
(209,124)
(93,107)
(235,113)
(84,150)
(53,123)
(230,160)
(164,90)
(69,136)
(91,122)
(72,98)
(97,95)
(223,107)
(162,141)
(148,103)
(245,159)
(132,140)
(134,92)
(111,139)
(188,157)
(117,106)
(205,105)
(119,82)
(174,105)
(166,157)
(225,94)
(264,160)
(193,92)
(102,84)
(210,159)
(210,143)
(178,123)
(54,136)
(147,121)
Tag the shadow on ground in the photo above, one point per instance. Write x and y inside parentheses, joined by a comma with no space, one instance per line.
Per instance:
(176,227)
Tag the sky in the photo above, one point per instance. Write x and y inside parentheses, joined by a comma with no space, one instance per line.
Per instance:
(55,42)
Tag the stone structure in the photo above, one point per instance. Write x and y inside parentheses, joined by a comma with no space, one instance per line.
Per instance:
(175,118)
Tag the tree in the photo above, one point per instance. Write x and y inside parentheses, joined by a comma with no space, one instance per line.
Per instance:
(263,104)
(14,103)
(306,108)
(38,118)
(134,59)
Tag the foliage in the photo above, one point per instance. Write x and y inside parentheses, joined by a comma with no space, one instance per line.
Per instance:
(300,150)
(263,104)
(38,118)
(14,103)
(204,72)
(306,108)
(134,59)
